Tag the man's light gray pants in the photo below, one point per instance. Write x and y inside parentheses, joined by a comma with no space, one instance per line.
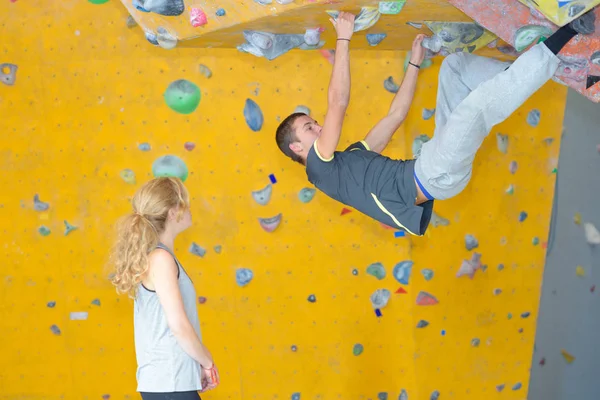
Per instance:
(474,94)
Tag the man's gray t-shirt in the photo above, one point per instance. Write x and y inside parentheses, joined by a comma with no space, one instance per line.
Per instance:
(382,188)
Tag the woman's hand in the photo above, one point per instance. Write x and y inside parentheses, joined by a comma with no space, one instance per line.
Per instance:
(210,378)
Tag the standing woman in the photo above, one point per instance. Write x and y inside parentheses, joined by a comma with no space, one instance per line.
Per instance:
(173,363)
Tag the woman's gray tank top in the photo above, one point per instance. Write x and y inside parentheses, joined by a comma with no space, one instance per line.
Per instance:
(163,366)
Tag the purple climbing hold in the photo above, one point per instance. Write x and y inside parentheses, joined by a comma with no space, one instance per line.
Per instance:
(500,388)
(253,115)
(471,242)
(105,396)
(513,168)
(202,300)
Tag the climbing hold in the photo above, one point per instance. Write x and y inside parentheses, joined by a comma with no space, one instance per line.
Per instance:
(377,270)
(428,113)
(55,329)
(312,298)
(243,276)
(579,271)
(264,2)
(172,166)
(402,271)
(151,37)
(435,395)
(306,195)
(182,96)
(98,1)
(427,62)
(422,324)
(468,268)
(263,196)
(220,12)
(403,395)
(500,267)
(218,249)
(525,314)
(51,304)
(296,396)
(253,115)
(568,357)
(390,85)
(433,43)
(202,300)
(165,39)
(375,38)
(591,234)
(548,141)
(197,250)
(131,22)
(270,224)
(593,288)
(577,219)
(44,231)
(418,143)
(513,167)
(426,299)
(355,272)
(204,70)
(509,316)
(382,396)
(128,176)
(483,268)
(189,146)
(437,220)
(443,332)
(591,81)
(522,216)
(415,25)
(197,17)
(453,37)
(39,205)
(78,316)
(391,7)
(475,342)
(345,211)
(69,228)
(517,386)
(497,292)
(303,110)
(502,141)
(526,35)
(96,302)
(312,36)
(269,45)
(535,241)
(357,349)
(8,73)
(427,274)
(533,118)
(294,348)
(401,290)
(168,8)
(500,388)
(366,18)
(144,146)
(542,362)
(471,242)
(380,298)
(510,189)
(272,179)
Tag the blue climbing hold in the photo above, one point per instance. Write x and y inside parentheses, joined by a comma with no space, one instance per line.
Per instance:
(96,302)
(435,395)
(500,267)
(144,146)
(243,276)
(296,396)
(69,228)
(402,271)
(427,274)
(525,314)
(422,324)
(312,298)
(357,349)
(428,113)
(354,272)
(51,304)
(382,396)
(517,386)
(533,118)
(294,348)
(403,395)
(253,115)
(218,249)
(39,205)
(197,250)
(55,329)
(522,216)
(375,38)
(306,194)
(471,242)
(220,12)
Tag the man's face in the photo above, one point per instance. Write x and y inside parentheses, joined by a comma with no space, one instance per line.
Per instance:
(307,131)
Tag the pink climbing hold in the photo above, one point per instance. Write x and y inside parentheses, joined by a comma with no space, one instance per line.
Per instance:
(426,299)
(197,17)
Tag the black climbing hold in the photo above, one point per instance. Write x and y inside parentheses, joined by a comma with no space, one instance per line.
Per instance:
(592,80)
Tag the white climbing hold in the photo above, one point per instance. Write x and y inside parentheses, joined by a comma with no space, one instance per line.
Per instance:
(591,234)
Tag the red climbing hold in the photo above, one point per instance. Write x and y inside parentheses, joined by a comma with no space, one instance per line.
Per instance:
(425,299)
(401,291)
(593,288)
(543,361)
(345,211)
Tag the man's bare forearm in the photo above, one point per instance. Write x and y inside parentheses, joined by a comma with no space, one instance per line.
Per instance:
(339,87)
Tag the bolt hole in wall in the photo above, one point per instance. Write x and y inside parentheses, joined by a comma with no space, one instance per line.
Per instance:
(264,245)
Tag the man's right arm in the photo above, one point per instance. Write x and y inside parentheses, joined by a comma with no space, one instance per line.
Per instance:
(339,89)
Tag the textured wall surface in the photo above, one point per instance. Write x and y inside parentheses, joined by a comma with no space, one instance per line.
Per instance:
(83,125)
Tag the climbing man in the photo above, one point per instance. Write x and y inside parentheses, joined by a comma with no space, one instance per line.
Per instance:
(474,94)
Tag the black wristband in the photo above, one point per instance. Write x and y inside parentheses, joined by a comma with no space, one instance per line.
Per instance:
(344,39)
(414,65)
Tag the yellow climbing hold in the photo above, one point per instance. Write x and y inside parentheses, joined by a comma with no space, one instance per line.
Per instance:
(580,271)
(577,218)
(568,357)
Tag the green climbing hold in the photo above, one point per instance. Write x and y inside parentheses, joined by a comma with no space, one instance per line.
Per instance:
(526,35)
(358,349)
(377,270)
(98,1)
(182,96)
(44,231)
(170,166)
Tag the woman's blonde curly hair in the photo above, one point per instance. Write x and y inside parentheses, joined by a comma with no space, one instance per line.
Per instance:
(138,233)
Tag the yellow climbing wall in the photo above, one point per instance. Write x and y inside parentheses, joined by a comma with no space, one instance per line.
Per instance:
(89,92)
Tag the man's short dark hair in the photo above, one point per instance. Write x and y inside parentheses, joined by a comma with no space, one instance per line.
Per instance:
(286,135)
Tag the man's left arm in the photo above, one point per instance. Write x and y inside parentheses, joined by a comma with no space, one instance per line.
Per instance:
(381,134)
